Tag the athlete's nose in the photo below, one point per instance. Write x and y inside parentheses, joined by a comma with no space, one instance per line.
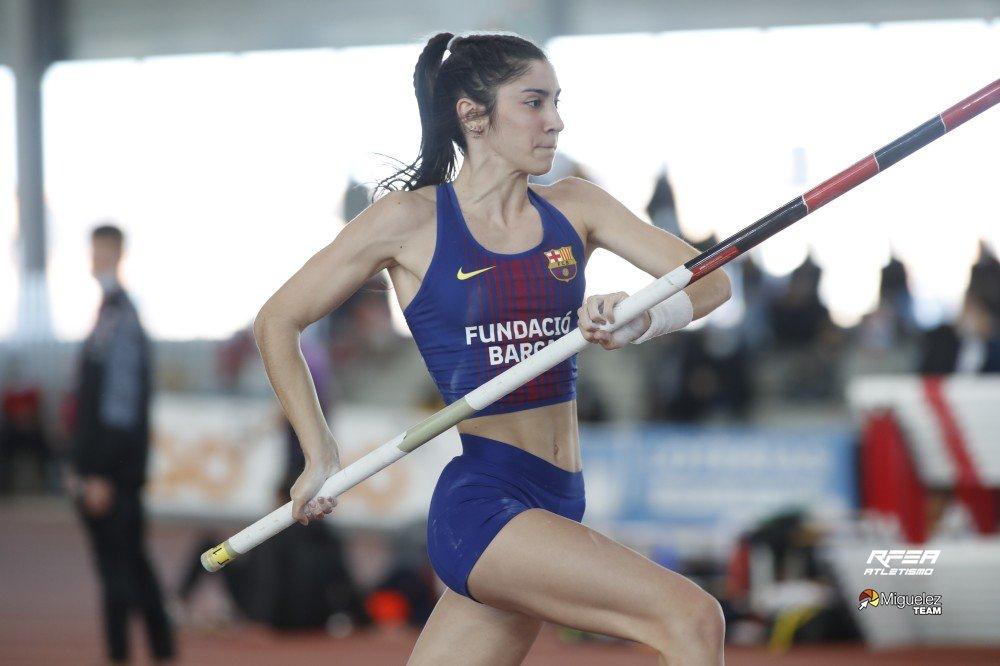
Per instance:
(555,123)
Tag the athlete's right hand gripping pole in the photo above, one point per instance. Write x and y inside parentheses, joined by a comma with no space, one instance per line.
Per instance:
(573,342)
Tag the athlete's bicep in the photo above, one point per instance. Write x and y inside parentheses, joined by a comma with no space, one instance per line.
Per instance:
(363,247)
(612,226)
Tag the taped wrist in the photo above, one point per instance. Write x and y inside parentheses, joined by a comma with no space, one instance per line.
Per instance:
(672,314)
(629,331)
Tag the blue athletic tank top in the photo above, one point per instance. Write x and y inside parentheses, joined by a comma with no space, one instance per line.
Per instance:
(478,312)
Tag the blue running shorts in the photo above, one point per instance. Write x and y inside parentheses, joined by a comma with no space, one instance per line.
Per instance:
(480,491)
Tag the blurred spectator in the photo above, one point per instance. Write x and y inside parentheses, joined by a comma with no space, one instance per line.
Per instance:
(21,435)
(232,362)
(891,323)
(807,362)
(356,198)
(662,361)
(939,351)
(661,208)
(894,289)
(699,374)
(886,338)
(298,579)
(360,330)
(972,343)
(969,346)
(701,383)
(589,403)
(406,593)
(755,290)
(713,380)
(979,348)
(232,357)
(984,279)
(109,457)
(798,316)
(776,578)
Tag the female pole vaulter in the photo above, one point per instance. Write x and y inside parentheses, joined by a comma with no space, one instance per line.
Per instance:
(517,581)
(488,271)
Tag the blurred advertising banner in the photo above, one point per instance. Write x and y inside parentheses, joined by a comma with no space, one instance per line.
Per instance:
(694,489)
(222,457)
(951,423)
(930,441)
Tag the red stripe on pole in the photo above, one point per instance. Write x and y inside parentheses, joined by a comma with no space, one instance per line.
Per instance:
(714,262)
(831,188)
(972,105)
(969,487)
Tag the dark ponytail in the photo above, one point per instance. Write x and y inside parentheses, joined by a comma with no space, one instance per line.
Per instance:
(476,66)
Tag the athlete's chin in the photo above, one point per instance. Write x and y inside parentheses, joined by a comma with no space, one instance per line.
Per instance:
(540,167)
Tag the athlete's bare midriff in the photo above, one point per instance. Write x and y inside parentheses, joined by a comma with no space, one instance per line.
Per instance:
(548,432)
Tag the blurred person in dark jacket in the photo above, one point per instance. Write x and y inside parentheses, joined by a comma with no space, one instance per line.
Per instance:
(798,316)
(970,345)
(299,579)
(109,456)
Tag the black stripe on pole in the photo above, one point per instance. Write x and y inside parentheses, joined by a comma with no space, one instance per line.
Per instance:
(756,233)
(909,142)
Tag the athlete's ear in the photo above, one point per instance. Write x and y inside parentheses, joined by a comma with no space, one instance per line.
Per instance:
(471,115)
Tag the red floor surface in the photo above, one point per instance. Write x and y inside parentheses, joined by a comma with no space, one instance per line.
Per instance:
(49,615)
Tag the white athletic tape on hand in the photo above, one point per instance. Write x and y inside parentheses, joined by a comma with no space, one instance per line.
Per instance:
(629,332)
(672,314)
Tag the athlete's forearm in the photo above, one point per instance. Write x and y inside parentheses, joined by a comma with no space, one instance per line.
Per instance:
(709,293)
(278,341)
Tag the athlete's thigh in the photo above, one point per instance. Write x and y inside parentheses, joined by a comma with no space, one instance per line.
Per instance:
(460,631)
(553,568)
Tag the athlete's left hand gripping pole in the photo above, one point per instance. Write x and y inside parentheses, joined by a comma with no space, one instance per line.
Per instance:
(628,309)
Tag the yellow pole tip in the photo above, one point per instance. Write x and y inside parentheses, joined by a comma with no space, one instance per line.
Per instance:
(214,559)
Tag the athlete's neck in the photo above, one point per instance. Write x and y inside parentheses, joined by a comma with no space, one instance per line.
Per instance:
(491,195)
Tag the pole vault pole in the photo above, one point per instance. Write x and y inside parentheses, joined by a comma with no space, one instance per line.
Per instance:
(573,342)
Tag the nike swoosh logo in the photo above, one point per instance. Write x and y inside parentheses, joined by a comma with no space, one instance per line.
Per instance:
(466,276)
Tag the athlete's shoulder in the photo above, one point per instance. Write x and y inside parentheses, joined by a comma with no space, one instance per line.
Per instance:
(582,188)
(395,216)
(573,189)
(578,198)
(403,210)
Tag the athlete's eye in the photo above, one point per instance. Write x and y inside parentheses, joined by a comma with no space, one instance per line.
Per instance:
(537,103)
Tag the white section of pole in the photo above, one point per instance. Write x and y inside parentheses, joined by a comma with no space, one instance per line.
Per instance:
(341,482)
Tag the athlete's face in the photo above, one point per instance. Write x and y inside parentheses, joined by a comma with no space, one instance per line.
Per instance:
(526,126)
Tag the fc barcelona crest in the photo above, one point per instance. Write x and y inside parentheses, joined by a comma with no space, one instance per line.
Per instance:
(562,265)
